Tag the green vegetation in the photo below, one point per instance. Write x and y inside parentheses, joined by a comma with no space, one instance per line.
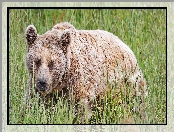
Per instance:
(143,30)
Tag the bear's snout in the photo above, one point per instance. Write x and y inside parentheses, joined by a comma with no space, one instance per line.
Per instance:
(42,85)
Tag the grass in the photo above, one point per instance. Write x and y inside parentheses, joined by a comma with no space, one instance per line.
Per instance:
(143,30)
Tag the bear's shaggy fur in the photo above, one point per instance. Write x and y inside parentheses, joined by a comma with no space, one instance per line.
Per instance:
(85,60)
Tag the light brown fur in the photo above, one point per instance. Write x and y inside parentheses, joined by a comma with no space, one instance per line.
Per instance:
(85,60)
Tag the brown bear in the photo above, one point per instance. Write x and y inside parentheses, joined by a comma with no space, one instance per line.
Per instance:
(82,60)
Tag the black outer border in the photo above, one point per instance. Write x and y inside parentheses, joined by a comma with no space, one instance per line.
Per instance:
(8,8)
(8,66)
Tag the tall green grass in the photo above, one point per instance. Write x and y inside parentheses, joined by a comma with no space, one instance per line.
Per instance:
(143,30)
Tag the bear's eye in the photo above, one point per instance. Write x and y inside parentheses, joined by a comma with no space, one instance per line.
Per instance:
(50,65)
(38,63)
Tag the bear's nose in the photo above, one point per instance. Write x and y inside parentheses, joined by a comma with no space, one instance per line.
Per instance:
(42,85)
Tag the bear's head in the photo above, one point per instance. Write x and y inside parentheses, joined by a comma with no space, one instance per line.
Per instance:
(48,58)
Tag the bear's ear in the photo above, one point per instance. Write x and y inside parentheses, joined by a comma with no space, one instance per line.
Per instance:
(66,38)
(31,34)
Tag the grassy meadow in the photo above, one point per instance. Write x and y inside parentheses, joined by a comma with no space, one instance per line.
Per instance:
(143,30)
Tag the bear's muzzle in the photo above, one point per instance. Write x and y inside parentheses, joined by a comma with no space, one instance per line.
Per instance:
(42,85)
